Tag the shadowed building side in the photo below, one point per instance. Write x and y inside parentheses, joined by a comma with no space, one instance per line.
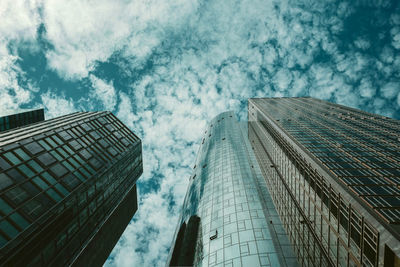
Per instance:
(67,189)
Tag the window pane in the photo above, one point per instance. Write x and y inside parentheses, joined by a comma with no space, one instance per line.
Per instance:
(11,157)
(22,154)
(54,195)
(62,189)
(59,170)
(40,183)
(49,178)
(4,207)
(17,195)
(19,220)
(56,155)
(35,166)
(46,159)
(34,148)
(8,229)
(45,145)
(25,170)
(5,181)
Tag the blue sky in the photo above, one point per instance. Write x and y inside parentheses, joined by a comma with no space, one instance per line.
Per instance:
(167,67)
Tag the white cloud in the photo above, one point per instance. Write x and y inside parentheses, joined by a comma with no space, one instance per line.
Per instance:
(57,105)
(390,89)
(103,91)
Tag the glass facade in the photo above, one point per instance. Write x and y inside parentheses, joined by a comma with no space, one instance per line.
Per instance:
(64,184)
(228,217)
(333,173)
(21,119)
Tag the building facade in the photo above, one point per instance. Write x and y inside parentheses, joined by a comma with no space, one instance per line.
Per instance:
(67,189)
(21,119)
(228,217)
(334,175)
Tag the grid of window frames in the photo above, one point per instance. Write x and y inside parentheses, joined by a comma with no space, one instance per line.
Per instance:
(41,171)
(354,238)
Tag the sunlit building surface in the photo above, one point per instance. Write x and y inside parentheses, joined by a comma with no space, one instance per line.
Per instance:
(334,175)
(67,189)
(228,217)
(21,119)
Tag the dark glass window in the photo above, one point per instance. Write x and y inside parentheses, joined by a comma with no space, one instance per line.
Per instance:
(46,159)
(71,181)
(35,166)
(17,195)
(5,181)
(12,158)
(34,148)
(65,135)
(3,164)
(59,170)
(4,207)
(25,170)
(75,144)
(45,145)
(8,229)
(48,178)
(61,189)
(40,183)
(22,154)
(33,208)
(54,195)
(19,220)
(84,153)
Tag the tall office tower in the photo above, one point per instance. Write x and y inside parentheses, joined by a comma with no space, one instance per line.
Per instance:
(334,175)
(21,119)
(67,189)
(228,217)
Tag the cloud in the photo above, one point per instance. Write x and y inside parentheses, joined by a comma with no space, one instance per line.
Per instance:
(57,105)
(104,92)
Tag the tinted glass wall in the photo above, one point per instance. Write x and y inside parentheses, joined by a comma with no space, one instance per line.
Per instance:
(60,181)
(228,216)
(21,119)
(334,170)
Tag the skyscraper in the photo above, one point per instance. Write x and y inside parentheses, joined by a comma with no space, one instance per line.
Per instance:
(67,189)
(21,119)
(334,175)
(228,217)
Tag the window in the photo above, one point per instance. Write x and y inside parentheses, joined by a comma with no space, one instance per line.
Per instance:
(40,183)
(25,170)
(8,229)
(46,159)
(3,164)
(59,170)
(12,158)
(17,195)
(35,166)
(5,181)
(34,148)
(19,220)
(4,207)
(22,154)
(54,195)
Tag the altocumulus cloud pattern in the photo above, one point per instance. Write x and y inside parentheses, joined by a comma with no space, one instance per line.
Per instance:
(167,67)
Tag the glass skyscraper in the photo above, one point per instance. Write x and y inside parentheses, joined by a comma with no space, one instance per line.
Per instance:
(228,217)
(334,175)
(67,189)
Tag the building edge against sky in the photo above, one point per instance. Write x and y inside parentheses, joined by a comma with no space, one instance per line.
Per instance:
(228,216)
(67,189)
(334,175)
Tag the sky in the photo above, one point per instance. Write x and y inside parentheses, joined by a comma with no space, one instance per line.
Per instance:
(165,68)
